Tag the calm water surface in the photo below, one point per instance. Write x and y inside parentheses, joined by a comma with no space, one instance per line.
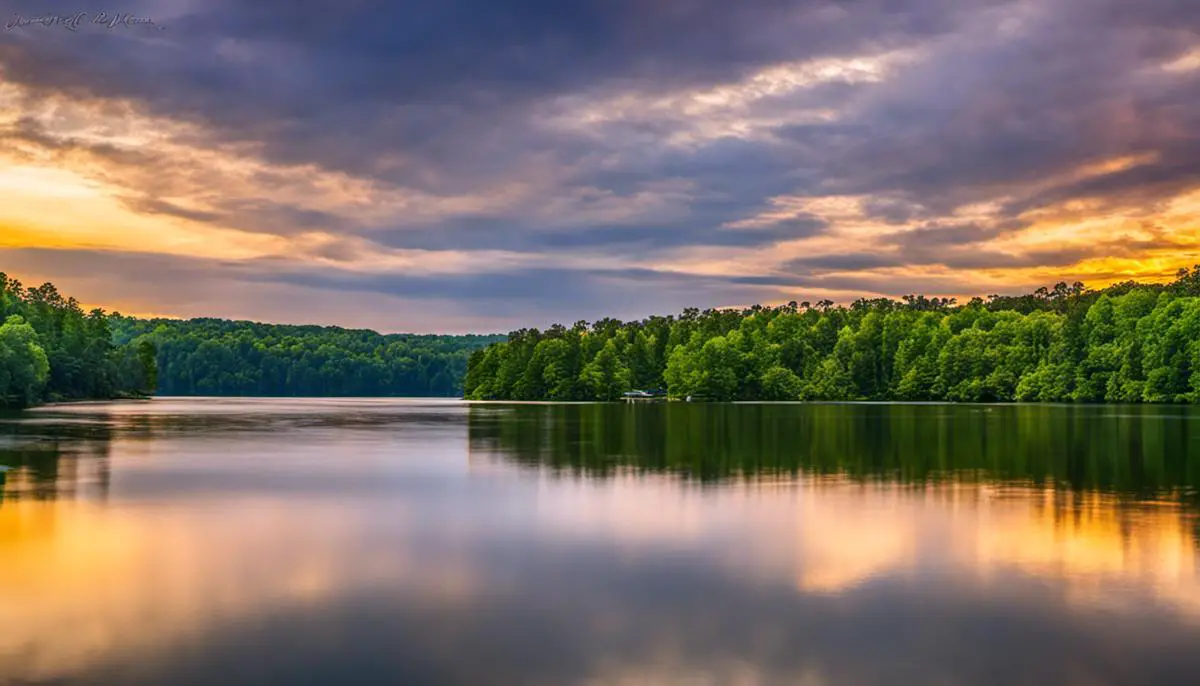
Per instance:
(429,542)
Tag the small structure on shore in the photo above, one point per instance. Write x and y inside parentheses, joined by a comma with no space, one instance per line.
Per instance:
(650,394)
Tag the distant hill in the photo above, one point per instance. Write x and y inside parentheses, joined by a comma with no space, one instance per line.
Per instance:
(241,358)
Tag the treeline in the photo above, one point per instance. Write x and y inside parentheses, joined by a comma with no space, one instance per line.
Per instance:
(237,358)
(1129,342)
(51,350)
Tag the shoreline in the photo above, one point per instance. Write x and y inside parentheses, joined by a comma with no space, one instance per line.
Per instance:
(86,401)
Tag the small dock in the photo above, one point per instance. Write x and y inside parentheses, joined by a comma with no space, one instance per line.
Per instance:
(638,396)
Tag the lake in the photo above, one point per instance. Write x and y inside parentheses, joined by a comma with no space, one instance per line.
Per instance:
(228,541)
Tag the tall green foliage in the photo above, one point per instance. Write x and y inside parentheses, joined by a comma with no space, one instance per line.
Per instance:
(1127,343)
(50,349)
(24,367)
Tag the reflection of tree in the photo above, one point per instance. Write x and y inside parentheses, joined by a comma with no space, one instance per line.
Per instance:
(46,462)
(1133,451)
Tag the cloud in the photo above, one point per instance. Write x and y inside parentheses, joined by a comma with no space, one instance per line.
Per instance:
(298,291)
(785,140)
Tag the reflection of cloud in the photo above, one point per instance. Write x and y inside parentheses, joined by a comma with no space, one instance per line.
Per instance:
(1098,546)
(396,550)
(832,537)
(840,549)
(675,669)
(139,582)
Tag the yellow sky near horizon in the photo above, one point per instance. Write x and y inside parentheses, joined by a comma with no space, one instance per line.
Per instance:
(57,207)
(135,209)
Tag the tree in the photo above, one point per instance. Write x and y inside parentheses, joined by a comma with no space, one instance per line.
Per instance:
(558,365)
(24,366)
(219,357)
(720,368)
(606,376)
(1129,342)
(781,383)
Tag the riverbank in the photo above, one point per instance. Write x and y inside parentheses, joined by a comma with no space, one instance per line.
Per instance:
(81,401)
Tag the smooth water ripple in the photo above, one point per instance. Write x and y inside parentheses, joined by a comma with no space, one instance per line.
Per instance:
(226,541)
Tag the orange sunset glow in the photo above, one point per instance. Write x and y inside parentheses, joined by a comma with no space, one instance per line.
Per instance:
(805,342)
(303,173)
(821,538)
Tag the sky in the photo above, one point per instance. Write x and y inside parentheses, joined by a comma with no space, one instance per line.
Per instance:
(486,165)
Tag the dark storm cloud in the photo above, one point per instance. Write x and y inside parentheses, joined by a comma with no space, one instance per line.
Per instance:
(848,261)
(956,248)
(443,97)
(892,210)
(155,206)
(467,52)
(499,233)
(196,286)
(968,259)
(997,101)
(262,216)
(953,235)
(1072,84)
(561,293)
(723,182)
(25,136)
(1176,171)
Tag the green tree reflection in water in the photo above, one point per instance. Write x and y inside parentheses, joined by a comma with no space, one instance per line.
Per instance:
(39,462)
(1140,452)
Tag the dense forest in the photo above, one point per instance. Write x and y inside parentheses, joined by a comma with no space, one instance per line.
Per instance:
(1129,342)
(50,349)
(221,357)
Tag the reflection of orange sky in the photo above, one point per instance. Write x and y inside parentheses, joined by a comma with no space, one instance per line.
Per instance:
(84,583)
(831,537)
(1094,543)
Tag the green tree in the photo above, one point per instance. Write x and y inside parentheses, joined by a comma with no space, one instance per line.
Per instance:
(1128,342)
(606,376)
(781,383)
(24,366)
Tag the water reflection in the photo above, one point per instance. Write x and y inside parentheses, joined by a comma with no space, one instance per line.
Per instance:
(1141,452)
(1099,495)
(394,542)
(47,463)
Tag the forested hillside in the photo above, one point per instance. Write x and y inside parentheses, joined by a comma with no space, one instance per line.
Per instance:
(221,357)
(50,349)
(1126,343)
